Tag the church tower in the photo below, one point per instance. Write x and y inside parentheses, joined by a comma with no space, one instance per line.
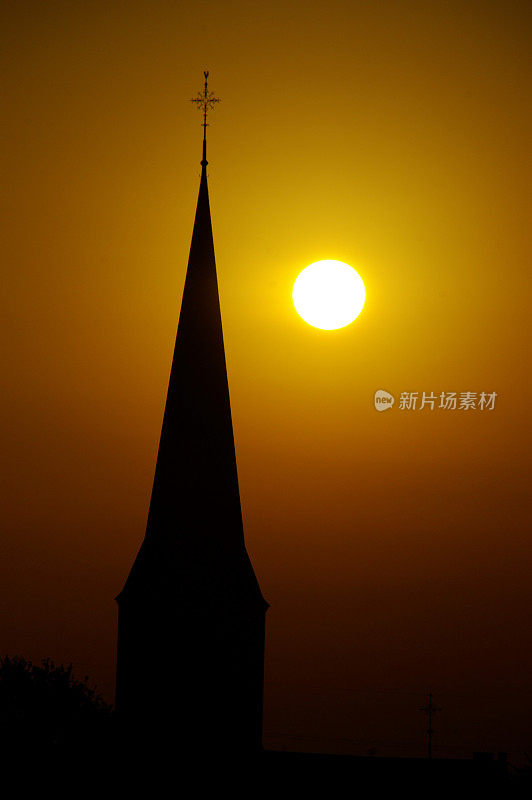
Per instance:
(191,614)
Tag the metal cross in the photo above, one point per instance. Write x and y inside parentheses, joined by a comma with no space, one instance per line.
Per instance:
(205,102)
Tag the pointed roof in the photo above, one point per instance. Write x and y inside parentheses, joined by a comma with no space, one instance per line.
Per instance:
(194,549)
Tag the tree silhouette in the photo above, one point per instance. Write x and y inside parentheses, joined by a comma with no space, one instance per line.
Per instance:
(46,707)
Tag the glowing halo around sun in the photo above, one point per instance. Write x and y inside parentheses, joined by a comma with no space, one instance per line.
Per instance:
(329,294)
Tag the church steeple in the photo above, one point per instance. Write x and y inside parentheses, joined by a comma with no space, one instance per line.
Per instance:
(192,595)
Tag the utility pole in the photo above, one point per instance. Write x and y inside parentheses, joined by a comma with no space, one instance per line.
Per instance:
(429,710)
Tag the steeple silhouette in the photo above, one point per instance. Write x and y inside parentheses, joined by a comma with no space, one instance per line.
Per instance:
(191,614)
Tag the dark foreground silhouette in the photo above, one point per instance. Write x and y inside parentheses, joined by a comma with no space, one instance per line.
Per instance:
(48,715)
(44,708)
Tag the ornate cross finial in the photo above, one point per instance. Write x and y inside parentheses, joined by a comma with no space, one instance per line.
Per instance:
(205,102)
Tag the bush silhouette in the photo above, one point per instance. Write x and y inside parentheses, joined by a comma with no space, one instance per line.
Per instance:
(45,706)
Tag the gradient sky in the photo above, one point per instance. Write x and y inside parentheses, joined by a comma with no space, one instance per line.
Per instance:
(393,547)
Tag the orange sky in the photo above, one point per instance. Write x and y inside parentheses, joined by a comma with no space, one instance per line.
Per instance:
(393,547)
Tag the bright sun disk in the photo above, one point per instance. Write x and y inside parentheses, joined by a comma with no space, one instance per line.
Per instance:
(329,294)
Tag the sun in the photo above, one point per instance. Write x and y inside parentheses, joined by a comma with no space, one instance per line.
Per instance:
(329,294)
